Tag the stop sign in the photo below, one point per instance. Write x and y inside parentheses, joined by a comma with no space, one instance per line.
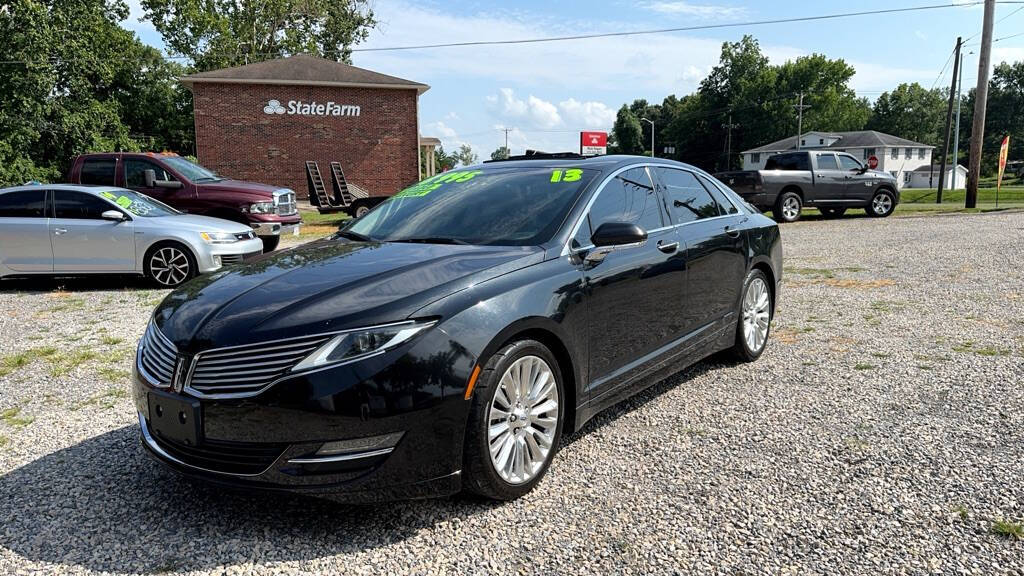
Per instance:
(873,162)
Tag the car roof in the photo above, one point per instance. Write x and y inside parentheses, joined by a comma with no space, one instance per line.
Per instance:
(607,162)
(88,188)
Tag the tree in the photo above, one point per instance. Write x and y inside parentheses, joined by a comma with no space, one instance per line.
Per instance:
(627,132)
(220,33)
(500,154)
(1004,116)
(466,156)
(911,112)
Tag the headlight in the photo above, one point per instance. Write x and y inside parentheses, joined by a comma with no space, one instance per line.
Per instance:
(261,208)
(353,345)
(218,237)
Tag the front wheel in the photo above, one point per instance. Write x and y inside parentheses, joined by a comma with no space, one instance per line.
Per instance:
(830,213)
(270,243)
(170,264)
(882,204)
(755,317)
(515,422)
(787,207)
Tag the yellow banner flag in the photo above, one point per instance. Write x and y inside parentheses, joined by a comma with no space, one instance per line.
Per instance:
(1003,151)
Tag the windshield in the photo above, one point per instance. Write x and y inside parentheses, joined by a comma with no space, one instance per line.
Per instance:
(503,206)
(190,170)
(137,204)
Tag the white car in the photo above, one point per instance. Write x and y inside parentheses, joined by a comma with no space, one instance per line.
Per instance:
(65,229)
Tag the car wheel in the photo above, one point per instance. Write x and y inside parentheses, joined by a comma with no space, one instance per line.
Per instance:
(170,264)
(787,207)
(515,422)
(832,212)
(755,317)
(270,243)
(882,204)
(361,210)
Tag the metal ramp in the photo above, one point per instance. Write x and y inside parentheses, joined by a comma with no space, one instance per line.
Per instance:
(315,182)
(344,194)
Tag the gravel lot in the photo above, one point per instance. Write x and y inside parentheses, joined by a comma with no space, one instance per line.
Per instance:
(881,432)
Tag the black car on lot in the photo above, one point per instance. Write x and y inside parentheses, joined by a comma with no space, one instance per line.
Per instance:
(450,337)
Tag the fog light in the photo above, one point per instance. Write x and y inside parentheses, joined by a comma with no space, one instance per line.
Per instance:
(368,444)
(216,260)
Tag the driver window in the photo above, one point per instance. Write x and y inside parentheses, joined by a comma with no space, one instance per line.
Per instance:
(848,163)
(135,173)
(629,197)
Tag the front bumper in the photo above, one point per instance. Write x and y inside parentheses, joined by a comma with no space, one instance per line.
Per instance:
(264,442)
(212,257)
(277,226)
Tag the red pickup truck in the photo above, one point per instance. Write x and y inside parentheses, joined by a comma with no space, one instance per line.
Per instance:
(189,187)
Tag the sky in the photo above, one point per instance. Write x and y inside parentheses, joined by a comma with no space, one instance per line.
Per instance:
(546,93)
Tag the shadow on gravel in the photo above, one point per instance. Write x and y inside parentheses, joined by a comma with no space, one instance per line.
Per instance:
(104,505)
(75,283)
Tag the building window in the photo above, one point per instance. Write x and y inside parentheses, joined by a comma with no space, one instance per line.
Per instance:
(803,142)
(906,177)
(755,158)
(920,154)
(908,153)
(868,153)
(895,153)
(821,141)
(894,173)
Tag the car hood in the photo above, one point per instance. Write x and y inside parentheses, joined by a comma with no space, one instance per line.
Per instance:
(880,174)
(238,187)
(327,285)
(194,223)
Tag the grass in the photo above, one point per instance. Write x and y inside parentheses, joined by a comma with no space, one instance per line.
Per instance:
(12,417)
(1014,530)
(113,375)
(962,512)
(13,362)
(111,340)
(824,273)
(317,224)
(3,441)
(1008,194)
(968,346)
(864,366)
(106,399)
(63,365)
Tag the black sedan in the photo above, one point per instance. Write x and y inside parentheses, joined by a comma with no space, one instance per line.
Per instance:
(449,338)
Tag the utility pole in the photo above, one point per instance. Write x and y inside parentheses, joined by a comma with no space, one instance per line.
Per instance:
(651,122)
(729,127)
(980,100)
(506,131)
(956,129)
(800,119)
(949,120)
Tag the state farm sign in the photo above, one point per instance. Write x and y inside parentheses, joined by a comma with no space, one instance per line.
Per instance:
(593,143)
(300,108)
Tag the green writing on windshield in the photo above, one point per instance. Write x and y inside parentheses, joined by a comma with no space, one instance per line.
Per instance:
(569,175)
(430,184)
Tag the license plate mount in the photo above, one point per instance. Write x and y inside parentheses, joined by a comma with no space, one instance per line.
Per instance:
(175,418)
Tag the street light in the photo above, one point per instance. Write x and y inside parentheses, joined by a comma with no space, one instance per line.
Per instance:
(652,134)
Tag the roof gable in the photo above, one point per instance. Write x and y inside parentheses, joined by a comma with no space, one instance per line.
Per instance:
(306,70)
(856,139)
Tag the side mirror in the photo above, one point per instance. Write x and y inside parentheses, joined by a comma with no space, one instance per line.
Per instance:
(115,215)
(618,234)
(150,178)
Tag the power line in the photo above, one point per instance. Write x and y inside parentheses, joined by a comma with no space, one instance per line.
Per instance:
(942,74)
(997,22)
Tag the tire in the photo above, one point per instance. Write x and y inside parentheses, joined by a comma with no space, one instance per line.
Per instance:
(485,475)
(755,310)
(360,210)
(830,213)
(788,207)
(270,243)
(882,204)
(170,264)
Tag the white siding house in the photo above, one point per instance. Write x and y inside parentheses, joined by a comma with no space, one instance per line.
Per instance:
(897,156)
(928,177)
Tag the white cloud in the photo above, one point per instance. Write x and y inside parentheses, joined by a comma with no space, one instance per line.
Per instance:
(1006,54)
(681,8)
(920,35)
(537,113)
(587,114)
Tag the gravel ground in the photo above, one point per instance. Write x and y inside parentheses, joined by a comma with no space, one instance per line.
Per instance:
(881,432)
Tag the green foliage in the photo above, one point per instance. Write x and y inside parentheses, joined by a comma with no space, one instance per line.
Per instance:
(500,154)
(1003,117)
(466,156)
(911,112)
(627,132)
(221,33)
(442,161)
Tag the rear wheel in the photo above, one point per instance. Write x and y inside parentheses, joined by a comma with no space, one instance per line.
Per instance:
(270,243)
(832,212)
(361,210)
(787,207)
(755,317)
(515,422)
(882,204)
(170,264)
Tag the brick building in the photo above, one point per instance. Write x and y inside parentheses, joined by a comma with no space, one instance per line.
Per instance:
(263,121)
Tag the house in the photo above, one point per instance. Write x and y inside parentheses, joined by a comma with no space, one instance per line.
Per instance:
(897,156)
(928,177)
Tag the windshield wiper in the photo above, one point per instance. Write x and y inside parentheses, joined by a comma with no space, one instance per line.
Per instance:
(354,236)
(432,240)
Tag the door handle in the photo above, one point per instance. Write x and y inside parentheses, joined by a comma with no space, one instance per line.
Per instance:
(59,231)
(732,232)
(667,248)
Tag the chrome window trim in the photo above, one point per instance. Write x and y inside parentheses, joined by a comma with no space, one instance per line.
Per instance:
(152,445)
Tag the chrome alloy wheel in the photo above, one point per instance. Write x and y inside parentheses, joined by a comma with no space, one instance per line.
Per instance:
(756,313)
(522,420)
(791,207)
(881,204)
(169,266)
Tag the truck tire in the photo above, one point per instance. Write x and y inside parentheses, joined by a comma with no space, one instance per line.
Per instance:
(270,243)
(787,207)
(882,204)
(830,213)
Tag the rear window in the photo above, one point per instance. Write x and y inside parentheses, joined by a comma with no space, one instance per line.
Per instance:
(23,204)
(788,162)
(98,171)
(502,206)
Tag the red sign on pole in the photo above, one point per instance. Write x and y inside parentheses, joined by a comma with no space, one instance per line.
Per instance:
(873,162)
(593,143)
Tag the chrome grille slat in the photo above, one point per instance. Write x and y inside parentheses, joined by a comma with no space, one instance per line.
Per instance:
(157,356)
(285,357)
(261,351)
(250,367)
(258,372)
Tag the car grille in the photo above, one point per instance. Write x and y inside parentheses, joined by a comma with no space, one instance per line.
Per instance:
(245,370)
(246,235)
(157,356)
(285,203)
(227,259)
(227,457)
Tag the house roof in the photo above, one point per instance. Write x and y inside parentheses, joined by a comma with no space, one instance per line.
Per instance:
(305,70)
(935,169)
(857,139)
